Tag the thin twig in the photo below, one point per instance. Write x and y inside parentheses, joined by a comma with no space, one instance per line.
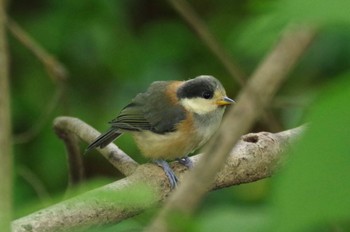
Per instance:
(5,128)
(46,115)
(251,101)
(192,18)
(74,126)
(56,71)
(35,182)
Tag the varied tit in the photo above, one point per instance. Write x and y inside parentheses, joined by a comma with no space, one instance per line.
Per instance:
(170,120)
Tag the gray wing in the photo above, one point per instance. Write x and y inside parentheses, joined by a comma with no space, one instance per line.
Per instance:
(151,110)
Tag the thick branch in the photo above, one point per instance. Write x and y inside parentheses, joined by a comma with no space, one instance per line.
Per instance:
(256,156)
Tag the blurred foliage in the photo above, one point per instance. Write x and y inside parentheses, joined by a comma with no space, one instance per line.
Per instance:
(317,173)
(115,49)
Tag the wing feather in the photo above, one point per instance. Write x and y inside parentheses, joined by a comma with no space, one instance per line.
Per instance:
(152,110)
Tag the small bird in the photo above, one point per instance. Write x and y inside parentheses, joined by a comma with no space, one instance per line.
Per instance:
(170,120)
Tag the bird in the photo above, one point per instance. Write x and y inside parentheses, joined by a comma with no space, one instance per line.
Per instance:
(170,120)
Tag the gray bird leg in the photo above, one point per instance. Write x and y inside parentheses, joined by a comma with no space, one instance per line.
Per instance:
(185,161)
(168,172)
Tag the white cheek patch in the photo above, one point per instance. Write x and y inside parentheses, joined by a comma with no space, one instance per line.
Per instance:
(199,105)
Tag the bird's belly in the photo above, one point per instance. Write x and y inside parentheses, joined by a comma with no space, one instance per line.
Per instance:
(166,146)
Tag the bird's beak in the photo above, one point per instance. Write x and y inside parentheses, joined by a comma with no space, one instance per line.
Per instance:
(225,101)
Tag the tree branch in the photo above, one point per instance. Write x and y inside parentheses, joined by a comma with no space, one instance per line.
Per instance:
(66,127)
(5,129)
(256,156)
(54,68)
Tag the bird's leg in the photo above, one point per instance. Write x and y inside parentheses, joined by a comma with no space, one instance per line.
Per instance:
(185,161)
(168,172)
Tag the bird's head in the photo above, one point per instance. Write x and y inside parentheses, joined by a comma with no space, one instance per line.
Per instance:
(202,95)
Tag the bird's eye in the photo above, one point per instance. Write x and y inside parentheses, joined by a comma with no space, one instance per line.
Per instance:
(207,95)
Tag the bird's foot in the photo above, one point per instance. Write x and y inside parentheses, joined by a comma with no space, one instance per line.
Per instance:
(168,172)
(185,161)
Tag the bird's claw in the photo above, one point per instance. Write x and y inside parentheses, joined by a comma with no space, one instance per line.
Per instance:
(168,172)
(187,162)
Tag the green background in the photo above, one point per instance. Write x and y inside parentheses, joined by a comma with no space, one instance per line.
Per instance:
(115,49)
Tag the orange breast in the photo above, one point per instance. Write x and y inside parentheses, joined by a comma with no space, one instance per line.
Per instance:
(170,145)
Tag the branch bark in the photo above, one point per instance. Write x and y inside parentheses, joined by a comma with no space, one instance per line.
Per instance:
(256,156)
(5,129)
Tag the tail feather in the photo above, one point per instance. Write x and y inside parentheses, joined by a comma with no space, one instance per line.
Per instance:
(104,139)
